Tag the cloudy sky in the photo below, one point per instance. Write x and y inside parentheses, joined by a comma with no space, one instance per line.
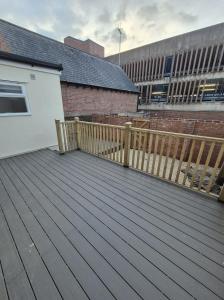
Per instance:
(142,21)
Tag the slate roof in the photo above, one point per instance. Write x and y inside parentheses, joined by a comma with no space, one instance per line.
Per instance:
(78,66)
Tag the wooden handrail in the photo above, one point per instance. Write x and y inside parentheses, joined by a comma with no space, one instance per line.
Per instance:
(176,134)
(181,158)
(182,135)
(101,124)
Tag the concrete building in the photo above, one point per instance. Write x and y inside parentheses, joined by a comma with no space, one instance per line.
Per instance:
(179,76)
(89,83)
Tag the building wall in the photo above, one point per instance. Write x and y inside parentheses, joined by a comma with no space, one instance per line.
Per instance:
(213,128)
(196,68)
(192,115)
(79,101)
(25,133)
(186,41)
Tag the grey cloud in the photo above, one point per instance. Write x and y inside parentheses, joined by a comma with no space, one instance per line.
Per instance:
(148,11)
(132,37)
(167,7)
(144,21)
(97,33)
(64,21)
(122,12)
(105,17)
(151,25)
(187,18)
(114,36)
(170,11)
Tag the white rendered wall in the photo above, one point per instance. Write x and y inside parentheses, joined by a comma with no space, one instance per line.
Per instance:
(20,134)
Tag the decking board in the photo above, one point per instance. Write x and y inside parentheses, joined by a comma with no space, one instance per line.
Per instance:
(177,201)
(189,266)
(127,270)
(99,231)
(188,197)
(34,217)
(3,288)
(130,200)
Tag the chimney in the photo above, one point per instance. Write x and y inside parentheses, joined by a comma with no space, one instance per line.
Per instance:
(87,46)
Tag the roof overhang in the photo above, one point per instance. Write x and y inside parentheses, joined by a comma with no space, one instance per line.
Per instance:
(99,87)
(29,61)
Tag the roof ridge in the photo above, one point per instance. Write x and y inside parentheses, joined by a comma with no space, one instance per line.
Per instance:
(56,41)
(90,70)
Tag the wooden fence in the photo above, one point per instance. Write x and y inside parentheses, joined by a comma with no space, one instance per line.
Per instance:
(166,155)
(67,135)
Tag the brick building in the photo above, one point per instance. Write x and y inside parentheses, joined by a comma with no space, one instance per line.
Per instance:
(182,76)
(87,46)
(89,83)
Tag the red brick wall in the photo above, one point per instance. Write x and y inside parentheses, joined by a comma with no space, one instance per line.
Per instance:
(195,127)
(214,128)
(188,126)
(114,120)
(87,46)
(79,101)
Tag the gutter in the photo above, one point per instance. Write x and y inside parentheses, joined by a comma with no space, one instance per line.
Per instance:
(99,87)
(30,61)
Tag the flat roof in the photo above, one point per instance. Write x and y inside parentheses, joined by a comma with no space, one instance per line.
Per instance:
(78,227)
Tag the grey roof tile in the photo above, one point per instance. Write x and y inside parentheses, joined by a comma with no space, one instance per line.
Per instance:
(78,66)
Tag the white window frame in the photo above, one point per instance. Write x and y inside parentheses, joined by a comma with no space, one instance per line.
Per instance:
(14,95)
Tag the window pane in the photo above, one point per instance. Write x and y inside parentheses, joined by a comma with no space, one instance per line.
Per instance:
(12,105)
(159,92)
(168,65)
(14,89)
(213,90)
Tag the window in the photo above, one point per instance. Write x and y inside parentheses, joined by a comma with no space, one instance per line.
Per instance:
(144,90)
(168,66)
(213,90)
(13,99)
(159,92)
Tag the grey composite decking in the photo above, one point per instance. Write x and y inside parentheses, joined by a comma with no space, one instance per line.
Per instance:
(79,227)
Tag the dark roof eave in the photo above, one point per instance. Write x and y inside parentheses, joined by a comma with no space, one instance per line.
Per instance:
(30,61)
(100,87)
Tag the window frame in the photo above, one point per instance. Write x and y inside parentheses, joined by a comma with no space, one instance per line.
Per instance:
(15,95)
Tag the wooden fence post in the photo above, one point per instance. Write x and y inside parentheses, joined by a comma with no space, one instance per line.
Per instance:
(127,143)
(59,136)
(221,195)
(220,177)
(77,132)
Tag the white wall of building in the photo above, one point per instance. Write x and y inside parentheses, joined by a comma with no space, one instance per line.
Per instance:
(36,130)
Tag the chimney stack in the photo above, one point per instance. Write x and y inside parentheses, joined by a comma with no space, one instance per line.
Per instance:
(87,46)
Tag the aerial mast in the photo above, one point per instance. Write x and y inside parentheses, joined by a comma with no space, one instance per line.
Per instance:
(119,45)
